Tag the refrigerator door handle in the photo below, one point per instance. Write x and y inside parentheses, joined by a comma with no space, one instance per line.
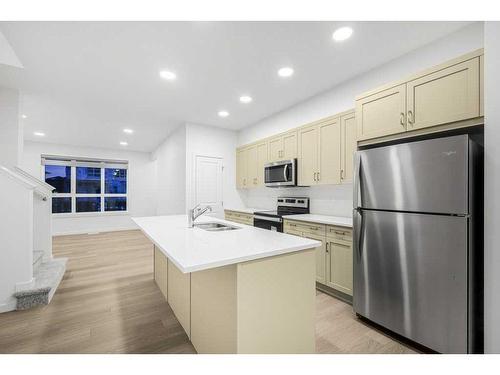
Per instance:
(358,231)
(357,199)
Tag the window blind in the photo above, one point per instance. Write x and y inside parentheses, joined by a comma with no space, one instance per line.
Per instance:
(83,162)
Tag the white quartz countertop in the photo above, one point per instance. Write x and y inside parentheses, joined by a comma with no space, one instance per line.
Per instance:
(195,249)
(247,210)
(322,219)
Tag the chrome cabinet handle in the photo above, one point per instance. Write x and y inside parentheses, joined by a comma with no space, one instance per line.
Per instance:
(319,176)
(327,246)
(341,174)
(402,119)
(411,118)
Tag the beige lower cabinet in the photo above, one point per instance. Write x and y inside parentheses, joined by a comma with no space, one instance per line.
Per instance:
(265,306)
(160,266)
(238,217)
(320,257)
(339,265)
(333,257)
(179,296)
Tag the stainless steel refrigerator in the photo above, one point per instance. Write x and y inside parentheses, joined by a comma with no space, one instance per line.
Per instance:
(418,241)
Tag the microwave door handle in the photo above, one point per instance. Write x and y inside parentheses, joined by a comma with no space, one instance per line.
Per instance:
(285,174)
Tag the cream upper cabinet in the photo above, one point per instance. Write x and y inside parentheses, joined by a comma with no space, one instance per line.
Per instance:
(445,96)
(261,161)
(308,156)
(283,147)
(329,153)
(241,168)
(275,148)
(348,146)
(448,95)
(289,145)
(253,160)
(252,166)
(339,268)
(381,114)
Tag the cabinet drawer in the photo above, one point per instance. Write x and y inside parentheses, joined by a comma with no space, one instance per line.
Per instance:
(339,233)
(304,227)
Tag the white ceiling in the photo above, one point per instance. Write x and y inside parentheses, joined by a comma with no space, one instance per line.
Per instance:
(83,82)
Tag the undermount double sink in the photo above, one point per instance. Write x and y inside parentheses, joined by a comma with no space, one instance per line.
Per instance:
(215,227)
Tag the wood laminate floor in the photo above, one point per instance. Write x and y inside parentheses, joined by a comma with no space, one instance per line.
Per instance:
(108,303)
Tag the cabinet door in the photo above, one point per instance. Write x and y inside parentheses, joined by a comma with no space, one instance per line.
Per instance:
(448,95)
(252,166)
(348,146)
(329,153)
(382,113)
(289,150)
(275,147)
(261,161)
(320,257)
(241,168)
(308,156)
(340,266)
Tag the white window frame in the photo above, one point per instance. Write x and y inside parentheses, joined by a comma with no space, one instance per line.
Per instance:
(73,163)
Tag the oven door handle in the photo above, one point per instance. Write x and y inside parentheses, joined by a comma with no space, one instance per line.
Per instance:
(274,219)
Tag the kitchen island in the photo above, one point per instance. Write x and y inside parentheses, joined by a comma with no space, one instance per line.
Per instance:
(240,290)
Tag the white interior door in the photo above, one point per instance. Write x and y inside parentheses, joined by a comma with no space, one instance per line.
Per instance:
(208,183)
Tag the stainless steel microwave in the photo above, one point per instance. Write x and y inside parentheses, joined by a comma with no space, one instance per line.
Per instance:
(281,173)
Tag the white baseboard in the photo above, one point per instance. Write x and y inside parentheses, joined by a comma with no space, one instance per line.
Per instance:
(93,231)
(8,305)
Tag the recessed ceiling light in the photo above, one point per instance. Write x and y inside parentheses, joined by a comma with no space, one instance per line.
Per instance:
(285,72)
(24,116)
(124,143)
(128,131)
(39,134)
(342,33)
(168,75)
(246,99)
(223,113)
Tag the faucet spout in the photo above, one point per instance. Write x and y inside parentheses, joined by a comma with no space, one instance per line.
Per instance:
(195,212)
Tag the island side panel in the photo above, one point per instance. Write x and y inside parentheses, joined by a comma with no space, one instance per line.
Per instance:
(276,304)
(160,271)
(213,310)
(179,295)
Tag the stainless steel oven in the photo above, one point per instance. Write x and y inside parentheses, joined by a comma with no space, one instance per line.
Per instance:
(268,222)
(281,173)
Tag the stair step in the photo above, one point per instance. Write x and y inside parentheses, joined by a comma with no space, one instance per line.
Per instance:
(37,260)
(46,280)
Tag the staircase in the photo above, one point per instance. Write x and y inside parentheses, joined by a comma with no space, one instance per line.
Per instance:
(47,276)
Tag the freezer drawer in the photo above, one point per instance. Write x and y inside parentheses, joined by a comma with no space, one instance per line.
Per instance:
(410,276)
(424,176)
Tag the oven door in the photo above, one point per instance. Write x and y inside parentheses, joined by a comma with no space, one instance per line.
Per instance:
(281,173)
(269,223)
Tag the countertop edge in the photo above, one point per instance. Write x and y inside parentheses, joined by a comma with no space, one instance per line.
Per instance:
(223,263)
(318,221)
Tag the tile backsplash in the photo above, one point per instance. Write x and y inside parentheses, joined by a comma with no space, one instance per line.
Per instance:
(333,200)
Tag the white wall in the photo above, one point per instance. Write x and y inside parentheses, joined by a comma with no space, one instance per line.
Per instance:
(170,166)
(204,140)
(141,179)
(335,200)
(492,183)
(11,136)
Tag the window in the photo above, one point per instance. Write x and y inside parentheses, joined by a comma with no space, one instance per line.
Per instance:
(86,185)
